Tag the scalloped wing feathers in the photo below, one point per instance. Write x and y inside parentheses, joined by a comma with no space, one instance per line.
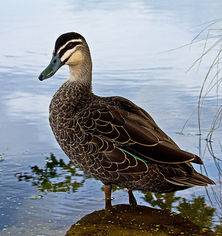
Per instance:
(119,123)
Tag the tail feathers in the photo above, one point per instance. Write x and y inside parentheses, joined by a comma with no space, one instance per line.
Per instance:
(195,179)
(197,160)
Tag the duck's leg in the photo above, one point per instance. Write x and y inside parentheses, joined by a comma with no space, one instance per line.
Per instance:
(132,199)
(108,192)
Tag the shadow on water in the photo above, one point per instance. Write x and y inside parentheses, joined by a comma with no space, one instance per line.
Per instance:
(169,215)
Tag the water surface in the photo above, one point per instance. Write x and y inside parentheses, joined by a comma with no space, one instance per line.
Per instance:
(129,42)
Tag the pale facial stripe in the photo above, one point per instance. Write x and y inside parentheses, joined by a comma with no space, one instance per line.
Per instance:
(73,40)
(67,54)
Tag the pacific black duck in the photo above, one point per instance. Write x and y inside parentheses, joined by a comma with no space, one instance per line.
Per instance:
(111,138)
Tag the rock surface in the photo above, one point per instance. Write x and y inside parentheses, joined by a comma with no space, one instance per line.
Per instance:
(122,220)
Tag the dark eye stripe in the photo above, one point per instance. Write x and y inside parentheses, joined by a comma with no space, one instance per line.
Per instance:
(67,47)
(66,60)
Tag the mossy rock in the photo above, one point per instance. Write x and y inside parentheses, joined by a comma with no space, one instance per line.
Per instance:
(123,220)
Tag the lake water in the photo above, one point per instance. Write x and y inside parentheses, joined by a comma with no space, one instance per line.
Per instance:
(131,44)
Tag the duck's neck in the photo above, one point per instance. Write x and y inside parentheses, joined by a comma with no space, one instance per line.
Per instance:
(76,93)
(81,74)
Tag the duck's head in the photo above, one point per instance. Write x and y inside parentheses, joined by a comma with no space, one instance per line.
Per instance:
(70,49)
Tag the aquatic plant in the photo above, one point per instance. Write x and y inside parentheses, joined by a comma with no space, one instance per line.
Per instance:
(212,86)
(209,39)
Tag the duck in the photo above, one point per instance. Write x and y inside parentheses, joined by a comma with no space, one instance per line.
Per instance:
(111,138)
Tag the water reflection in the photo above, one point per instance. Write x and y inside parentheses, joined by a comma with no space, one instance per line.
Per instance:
(1,157)
(56,176)
(196,209)
(171,214)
